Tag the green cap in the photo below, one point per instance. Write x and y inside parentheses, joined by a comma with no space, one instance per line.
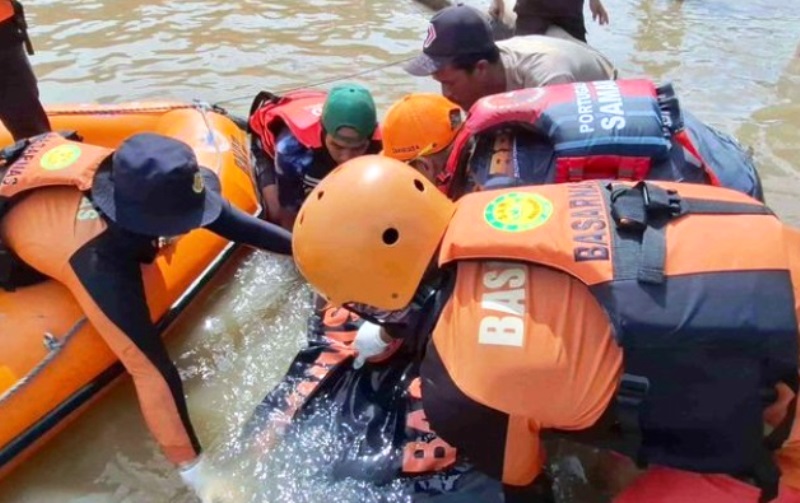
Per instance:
(350,105)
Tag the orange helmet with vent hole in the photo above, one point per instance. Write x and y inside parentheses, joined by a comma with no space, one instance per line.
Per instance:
(367,233)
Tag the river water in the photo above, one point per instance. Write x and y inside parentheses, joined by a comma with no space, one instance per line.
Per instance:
(735,64)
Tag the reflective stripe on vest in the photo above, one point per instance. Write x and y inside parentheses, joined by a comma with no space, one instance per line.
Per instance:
(52,160)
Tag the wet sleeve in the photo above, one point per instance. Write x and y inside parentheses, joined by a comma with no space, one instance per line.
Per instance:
(291,158)
(264,165)
(237,226)
(105,278)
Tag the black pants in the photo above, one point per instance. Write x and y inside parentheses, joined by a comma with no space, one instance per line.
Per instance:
(21,111)
(538,25)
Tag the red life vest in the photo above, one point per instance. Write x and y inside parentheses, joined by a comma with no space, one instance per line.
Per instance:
(6,10)
(299,110)
(598,130)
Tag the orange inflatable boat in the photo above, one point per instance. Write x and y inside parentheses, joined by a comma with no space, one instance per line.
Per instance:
(52,362)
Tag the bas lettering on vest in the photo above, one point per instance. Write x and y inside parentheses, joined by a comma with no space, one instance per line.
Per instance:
(19,166)
(503,301)
(588,222)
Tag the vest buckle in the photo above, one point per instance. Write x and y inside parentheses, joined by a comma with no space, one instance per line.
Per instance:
(661,202)
(632,208)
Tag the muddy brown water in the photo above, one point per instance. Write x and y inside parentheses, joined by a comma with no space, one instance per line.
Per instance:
(735,64)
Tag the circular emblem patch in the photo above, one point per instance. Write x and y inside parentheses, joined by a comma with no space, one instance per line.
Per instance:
(60,157)
(518,212)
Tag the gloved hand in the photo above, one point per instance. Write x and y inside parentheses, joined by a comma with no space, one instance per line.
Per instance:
(368,343)
(208,486)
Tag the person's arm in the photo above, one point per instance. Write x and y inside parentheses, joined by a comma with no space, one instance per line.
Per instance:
(497,8)
(290,184)
(291,193)
(266,181)
(599,13)
(235,225)
(292,159)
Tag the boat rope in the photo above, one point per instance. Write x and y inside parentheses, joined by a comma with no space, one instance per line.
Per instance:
(203,109)
(120,109)
(54,346)
(326,81)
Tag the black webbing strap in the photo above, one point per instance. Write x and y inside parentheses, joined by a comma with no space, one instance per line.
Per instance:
(645,209)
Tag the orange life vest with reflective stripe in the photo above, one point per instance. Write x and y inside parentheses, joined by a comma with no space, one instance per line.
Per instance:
(696,283)
(51,160)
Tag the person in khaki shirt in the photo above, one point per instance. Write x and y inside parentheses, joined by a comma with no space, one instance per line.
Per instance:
(461,54)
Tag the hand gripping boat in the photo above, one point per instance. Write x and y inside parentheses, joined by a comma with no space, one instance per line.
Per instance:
(52,361)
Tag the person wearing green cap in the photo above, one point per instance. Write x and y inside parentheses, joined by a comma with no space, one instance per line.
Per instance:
(302,136)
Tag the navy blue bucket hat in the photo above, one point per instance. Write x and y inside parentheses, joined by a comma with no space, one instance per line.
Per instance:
(152,185)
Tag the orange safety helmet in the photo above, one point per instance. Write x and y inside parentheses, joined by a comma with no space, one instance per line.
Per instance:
(367,233)
(420,124)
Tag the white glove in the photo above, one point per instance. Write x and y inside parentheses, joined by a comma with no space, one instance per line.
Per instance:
(368,343)
(209,487)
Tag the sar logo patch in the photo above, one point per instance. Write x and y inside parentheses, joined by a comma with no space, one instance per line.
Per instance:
(517,212)
(60,157)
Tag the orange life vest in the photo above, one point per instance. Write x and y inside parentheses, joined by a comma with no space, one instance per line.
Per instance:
(51,160)
(47,160)
(570,227)
(695,280)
